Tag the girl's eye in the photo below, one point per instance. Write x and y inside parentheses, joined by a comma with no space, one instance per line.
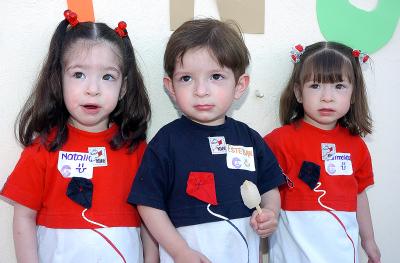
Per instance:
(79,75)
(108,77)
(340,86)
(186,78)
(314,86)
(217,77)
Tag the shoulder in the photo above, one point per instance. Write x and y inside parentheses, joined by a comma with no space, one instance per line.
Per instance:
(280,133)
(166,131)
(37,148)
(243,127)
(355,141)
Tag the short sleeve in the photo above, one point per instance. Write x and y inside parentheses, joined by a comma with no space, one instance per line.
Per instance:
(270,174)
(150,186)
(26,182)
(364,173)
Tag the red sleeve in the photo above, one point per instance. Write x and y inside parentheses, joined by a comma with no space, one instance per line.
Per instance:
(26,182)
(274,142)
(364,173)
(140,151)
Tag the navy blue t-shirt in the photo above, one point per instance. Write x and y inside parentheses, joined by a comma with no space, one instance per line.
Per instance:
(183,146)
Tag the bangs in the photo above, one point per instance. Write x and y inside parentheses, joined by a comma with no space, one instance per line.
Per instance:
(327,66)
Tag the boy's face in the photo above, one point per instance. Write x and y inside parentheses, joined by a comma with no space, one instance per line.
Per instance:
(202,89)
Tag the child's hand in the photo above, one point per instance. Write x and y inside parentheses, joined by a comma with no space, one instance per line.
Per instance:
(372,250)
(265,223)
(191,256)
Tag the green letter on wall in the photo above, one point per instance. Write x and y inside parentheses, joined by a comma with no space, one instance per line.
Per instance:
(340,21)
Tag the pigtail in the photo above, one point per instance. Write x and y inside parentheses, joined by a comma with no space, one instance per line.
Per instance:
(358,119)
(44,109)
(133,110)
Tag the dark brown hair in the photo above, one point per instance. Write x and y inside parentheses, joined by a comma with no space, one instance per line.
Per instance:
(45,109)
(328,62)
(223,39)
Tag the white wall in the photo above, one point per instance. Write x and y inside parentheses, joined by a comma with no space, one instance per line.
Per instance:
(27,25)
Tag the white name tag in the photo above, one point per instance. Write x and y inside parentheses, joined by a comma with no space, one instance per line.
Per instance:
(75,164)
(339,164)
(240,157)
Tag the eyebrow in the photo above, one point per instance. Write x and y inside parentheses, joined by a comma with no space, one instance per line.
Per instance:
(115,69)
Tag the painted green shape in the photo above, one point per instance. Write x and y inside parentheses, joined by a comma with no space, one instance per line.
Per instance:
(341,21)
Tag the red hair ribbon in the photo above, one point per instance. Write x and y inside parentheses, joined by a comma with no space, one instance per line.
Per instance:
(296,52)
(71,17)
(362,57)
(121,29)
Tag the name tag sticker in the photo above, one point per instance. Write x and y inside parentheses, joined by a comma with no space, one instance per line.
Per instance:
(99,156)
(339,164)
(217,145)
(328,150)
(240,157)
(75,164)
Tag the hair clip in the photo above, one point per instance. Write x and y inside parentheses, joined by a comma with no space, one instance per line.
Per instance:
(296,52)
(362,57)
(71,17)
(121,29)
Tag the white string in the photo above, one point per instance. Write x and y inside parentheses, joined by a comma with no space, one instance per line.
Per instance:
(90,221)
(215,214)
(319,198)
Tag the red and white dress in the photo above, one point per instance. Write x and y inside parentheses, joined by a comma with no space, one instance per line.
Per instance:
(63,234)
(319,224)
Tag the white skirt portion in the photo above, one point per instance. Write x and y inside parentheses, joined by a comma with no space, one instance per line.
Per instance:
(314,236)
(87,246)
(220,242)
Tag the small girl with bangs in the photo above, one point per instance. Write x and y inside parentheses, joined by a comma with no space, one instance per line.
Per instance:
(324,113)
(84,129)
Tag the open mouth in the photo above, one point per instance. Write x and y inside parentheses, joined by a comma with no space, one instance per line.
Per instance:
(90,106)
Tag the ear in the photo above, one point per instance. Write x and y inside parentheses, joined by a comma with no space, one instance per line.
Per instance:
(122,92)
(297,93)
(169,86)
(241,85)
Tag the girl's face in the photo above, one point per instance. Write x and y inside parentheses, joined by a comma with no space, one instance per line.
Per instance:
(324,103)
(92,84)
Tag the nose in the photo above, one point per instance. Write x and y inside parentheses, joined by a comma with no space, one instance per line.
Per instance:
(201,89)
(93,88)
(327,93)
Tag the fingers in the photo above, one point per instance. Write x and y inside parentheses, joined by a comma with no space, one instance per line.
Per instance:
(265,223)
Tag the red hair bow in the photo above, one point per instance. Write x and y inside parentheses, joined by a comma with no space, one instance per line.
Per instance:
(71,17)
(121,29)
(296,52)
(362,57)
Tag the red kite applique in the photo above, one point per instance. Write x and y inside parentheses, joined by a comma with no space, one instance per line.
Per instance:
(201,185)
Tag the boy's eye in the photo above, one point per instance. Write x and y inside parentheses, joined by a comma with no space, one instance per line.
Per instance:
(79,75)
(108,77)
(186,78)
(217,77)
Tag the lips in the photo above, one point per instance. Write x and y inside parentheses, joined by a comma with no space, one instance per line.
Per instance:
(203,107)
(326,111)
(91,108)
